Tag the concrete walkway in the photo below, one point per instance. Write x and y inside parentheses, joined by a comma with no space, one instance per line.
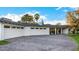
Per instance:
(40,43)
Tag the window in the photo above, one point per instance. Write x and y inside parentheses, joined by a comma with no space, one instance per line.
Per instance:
(18,27)
(40,28)
(32,28)
(44,28)
(37,28)
(22,27)
(13,27)
(6,26)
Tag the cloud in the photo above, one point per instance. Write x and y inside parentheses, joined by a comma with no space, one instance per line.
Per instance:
(65,10)
(16,17)
(59,8)
(54,22)
(42,17)
(75,8)
(32,12)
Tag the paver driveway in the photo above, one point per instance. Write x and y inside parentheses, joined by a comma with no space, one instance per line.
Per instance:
(40,43)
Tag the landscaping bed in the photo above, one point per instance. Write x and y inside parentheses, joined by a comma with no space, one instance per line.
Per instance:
(3,42)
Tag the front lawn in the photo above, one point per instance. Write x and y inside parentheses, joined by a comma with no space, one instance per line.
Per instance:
(3,42)
(75,38)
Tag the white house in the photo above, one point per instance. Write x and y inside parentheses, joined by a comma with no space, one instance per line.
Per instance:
(10,29)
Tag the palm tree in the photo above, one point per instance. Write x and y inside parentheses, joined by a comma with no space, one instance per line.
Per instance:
(36,16)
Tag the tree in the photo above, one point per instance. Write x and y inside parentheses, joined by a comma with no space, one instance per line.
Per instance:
(73,18)
(36,16)
(27,18)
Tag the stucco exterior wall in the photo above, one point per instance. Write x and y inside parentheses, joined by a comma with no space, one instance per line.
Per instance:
(29,31)
(39,31)
(6,33)
(1,31)
(26,31)
(13,32)
(65,31)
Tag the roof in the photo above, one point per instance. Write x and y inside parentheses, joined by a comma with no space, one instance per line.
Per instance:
(57,26)
(9,21)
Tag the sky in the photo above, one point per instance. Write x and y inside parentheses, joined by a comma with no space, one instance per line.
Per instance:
(50,15)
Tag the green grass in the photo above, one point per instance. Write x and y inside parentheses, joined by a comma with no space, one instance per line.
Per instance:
(76,39)
(3,42)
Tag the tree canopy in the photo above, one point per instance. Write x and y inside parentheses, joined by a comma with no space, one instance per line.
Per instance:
(27,18)
(74,21)
(36,16)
